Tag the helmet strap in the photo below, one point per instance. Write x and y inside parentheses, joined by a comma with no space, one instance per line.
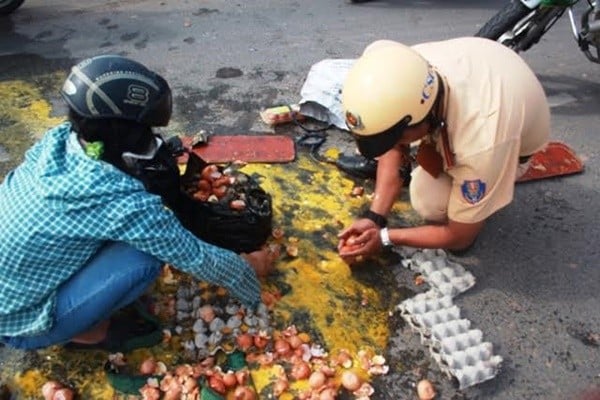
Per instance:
(435,118)
(440,123)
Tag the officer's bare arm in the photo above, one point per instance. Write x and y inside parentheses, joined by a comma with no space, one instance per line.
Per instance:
(387,184)
(453,235)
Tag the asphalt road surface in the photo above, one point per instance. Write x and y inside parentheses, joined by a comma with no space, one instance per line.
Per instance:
(536,262)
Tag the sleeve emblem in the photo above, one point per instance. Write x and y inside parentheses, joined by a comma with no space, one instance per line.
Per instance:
(473,191)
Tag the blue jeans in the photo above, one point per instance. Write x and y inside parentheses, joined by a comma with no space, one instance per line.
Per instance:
(115,277)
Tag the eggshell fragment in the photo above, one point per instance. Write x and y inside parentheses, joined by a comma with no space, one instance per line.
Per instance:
(63,394)
(300,370)
(148,366)
(425,390)
(49,388)
(244,393)
(317,380)
(351,381)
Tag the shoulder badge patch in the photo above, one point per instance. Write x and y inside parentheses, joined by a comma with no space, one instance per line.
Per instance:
(473,191)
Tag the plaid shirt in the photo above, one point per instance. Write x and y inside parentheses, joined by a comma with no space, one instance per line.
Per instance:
(60,206)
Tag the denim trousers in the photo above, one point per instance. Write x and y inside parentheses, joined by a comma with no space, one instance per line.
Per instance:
(116,276)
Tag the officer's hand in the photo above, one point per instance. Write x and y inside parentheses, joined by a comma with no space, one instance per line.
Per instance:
(356,247)
(358,227)
(262,261)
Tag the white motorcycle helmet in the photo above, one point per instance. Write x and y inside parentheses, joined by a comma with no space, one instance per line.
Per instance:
(389,88)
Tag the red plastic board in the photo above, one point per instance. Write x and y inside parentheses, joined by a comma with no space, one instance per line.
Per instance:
(557,159)
(246,148)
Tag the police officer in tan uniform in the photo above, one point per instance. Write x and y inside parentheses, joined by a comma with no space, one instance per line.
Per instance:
(477,112)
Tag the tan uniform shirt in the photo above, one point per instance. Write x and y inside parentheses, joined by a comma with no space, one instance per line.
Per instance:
(495,110)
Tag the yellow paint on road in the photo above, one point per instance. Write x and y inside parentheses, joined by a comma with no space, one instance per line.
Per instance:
(312,203)
(24,117)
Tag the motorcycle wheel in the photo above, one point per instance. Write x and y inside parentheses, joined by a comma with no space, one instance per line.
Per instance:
(8,6)
(518,27)
(504,20)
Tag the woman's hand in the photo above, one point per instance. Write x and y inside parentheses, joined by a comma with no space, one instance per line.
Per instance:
(262,261)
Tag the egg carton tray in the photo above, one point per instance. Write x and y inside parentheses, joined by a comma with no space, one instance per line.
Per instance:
(457,348)
(444,275)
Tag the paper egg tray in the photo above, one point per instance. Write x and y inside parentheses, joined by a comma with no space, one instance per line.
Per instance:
(458,349)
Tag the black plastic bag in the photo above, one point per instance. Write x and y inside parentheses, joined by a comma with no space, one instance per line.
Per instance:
(160,175)
(244,230)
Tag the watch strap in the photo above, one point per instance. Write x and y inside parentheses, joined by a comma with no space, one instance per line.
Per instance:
(379,219)
(385,237)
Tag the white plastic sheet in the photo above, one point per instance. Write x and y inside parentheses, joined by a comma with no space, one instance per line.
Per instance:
(321,92)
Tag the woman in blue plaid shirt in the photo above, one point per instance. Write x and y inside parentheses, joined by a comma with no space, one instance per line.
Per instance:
(81,236)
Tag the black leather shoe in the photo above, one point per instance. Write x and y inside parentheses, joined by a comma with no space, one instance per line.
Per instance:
(366,168)
(358,166)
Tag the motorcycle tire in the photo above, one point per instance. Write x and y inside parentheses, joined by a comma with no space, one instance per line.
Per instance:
(504,20)
(8,6)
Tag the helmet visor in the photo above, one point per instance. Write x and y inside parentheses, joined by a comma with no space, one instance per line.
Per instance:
(375,145)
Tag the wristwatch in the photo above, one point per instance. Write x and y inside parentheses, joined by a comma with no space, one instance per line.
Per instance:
(385,238)
(379,219)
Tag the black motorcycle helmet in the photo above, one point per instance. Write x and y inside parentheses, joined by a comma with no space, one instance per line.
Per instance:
(115,87)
